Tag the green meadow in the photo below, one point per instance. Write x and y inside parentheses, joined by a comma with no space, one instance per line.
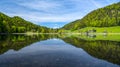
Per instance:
(115,29)
(94,37)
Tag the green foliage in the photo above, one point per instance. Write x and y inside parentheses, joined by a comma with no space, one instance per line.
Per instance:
(17,42)
(103,17)
(18,25)
(103,49)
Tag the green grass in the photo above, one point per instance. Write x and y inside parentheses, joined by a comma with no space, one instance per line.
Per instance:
(115,29)
(112,37)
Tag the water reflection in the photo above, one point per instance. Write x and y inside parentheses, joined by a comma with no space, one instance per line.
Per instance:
(57,50)
(102,49)
(16,42)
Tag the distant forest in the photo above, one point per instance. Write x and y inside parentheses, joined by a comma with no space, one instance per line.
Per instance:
(18,25)
(102,17)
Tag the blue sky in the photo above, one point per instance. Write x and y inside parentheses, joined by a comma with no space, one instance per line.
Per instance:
(51,13)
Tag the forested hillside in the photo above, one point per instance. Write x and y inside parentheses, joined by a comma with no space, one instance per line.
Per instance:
(18,25)
(103,17)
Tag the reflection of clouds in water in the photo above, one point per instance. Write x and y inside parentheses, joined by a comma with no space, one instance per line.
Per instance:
(52,56)
(61,53)
(55,39)
(47,45)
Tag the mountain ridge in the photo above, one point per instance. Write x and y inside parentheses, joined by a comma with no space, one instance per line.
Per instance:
(103,17)
(17,24)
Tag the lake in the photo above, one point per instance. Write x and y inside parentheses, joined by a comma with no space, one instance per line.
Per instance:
(59,50)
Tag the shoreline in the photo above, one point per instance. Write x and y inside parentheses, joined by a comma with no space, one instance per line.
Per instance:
(66,33)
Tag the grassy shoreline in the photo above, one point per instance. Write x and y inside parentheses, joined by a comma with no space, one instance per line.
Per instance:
(115,29)
(69,33)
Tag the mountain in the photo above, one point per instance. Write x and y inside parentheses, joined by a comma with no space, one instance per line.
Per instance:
(103,17)
(18,25)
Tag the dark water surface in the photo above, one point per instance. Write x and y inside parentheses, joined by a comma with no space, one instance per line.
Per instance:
(57,51)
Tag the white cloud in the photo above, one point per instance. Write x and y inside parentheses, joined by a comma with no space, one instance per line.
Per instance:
(40,5)
(96,3)
(56,8)
(37,18)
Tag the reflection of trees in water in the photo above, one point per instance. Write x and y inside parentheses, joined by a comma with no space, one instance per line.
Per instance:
(17,42)
(107,50)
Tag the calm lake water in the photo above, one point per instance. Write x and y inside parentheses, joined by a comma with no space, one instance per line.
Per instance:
(52,50)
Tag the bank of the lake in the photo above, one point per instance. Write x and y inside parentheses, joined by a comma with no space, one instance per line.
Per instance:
(97,30)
